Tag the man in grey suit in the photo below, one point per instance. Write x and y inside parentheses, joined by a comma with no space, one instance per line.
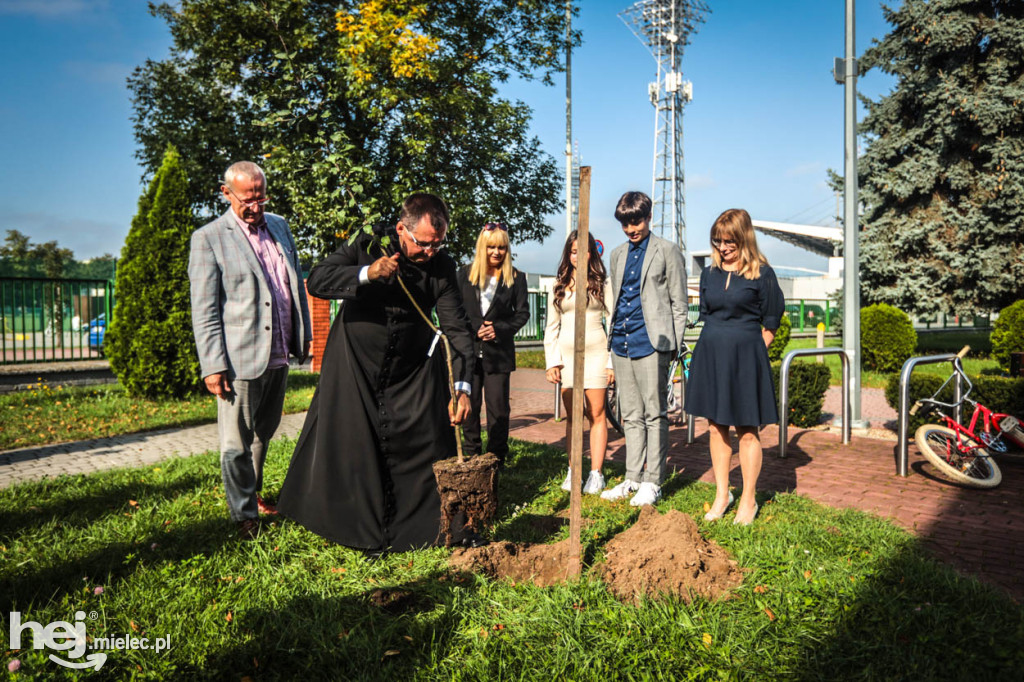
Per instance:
(249,312)
(648,280)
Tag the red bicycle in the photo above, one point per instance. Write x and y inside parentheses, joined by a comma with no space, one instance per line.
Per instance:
(963,453)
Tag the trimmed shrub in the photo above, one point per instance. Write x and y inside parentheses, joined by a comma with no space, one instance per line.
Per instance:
(149,340)
(808,382)
(1008,334)
(887,338)
(999,394)
(778,346)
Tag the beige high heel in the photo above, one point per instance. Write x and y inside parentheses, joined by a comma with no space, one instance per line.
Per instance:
(714,517)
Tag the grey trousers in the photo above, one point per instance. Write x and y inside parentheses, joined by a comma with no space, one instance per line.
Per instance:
(643,405)
(246,422)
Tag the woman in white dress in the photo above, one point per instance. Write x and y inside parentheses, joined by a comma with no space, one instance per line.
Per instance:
(559,335)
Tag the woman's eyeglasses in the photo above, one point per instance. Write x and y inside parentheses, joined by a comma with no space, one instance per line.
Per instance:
(488,227)
(717,243)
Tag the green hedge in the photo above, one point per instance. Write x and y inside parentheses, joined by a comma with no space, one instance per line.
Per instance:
(999,394)
(778,345)
(887,338)
(1008,334)
(808,382)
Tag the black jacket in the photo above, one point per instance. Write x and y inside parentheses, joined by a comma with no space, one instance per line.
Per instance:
(509,311)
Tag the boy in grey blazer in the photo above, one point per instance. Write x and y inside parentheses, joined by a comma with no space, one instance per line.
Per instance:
(249,312)
(648,280)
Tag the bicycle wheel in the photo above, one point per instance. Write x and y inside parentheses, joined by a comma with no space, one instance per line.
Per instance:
(1012,440)
(965,462)
(611,408)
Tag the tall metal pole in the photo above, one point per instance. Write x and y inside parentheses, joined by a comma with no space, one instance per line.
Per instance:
(568,118)
(851,247)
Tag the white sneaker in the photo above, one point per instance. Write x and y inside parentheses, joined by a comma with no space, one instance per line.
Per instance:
(567,483)
(595,483)
(624,489)
(648,494)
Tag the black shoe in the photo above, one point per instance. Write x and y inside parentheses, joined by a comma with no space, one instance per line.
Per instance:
(473,539)
(374,554)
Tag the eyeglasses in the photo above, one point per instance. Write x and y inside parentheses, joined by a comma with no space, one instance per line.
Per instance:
(427,246)
(488,227)
(248,204)
(723,242)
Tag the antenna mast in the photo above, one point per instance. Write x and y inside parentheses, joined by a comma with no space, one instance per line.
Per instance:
(665,26)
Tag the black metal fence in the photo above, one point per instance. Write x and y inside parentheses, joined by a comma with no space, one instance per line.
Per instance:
(52,320)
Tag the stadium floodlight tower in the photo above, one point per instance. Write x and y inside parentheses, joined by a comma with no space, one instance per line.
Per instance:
(664,26)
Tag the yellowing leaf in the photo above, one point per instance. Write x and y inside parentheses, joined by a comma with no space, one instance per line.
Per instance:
(807,575)
(707,640)
(707,507)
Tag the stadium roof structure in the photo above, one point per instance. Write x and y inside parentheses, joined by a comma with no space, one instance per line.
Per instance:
(823,241)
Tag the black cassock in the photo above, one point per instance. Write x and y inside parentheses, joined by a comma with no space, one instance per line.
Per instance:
(362,470)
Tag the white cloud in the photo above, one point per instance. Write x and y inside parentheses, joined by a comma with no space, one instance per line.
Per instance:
(51,8)
(805,169)
(106,73)
(697,181)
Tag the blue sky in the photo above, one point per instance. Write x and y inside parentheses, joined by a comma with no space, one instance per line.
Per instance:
(765,124)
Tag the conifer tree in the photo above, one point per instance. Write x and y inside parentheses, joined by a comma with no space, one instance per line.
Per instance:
(149,340)
(942,177)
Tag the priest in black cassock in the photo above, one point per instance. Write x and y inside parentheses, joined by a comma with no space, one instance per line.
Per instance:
(362,470)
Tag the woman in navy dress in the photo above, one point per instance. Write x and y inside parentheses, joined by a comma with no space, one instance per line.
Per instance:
(730,380)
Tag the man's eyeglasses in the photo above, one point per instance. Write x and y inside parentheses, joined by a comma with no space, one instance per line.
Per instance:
(427,246)
(248,204)
(488,227)
(723,242)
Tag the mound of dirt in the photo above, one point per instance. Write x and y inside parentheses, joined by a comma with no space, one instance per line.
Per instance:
(666,554)
(543,564)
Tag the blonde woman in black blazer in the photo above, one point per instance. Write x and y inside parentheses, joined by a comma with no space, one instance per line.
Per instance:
(494,295)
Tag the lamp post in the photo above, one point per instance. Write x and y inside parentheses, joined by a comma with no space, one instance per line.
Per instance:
(845,72)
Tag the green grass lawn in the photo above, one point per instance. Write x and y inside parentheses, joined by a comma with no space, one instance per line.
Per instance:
(827,594)
(47,414)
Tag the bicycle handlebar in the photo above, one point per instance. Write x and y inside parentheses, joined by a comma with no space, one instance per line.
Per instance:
(963,352)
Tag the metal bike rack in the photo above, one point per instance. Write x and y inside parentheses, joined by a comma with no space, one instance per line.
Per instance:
(902,463)
(784,391)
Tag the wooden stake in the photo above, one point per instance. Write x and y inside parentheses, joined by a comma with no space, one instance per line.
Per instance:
(578,395)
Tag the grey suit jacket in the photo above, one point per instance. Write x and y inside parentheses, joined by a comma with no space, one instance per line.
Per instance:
(662,291)
(232,307)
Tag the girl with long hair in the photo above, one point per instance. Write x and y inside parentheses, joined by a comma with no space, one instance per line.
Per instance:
(495,297)
(730,380)
(558,351)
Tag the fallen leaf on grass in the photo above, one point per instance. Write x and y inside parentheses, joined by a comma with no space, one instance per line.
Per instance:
(707,640)
(338,570)
(407,638)
(390,652)
(133,503)
(133,625)
(760,589)
(707,507)
(483,633)
(807,574)
(768,612)
(229,617)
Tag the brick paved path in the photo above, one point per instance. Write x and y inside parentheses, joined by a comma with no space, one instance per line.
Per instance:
(978,531)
